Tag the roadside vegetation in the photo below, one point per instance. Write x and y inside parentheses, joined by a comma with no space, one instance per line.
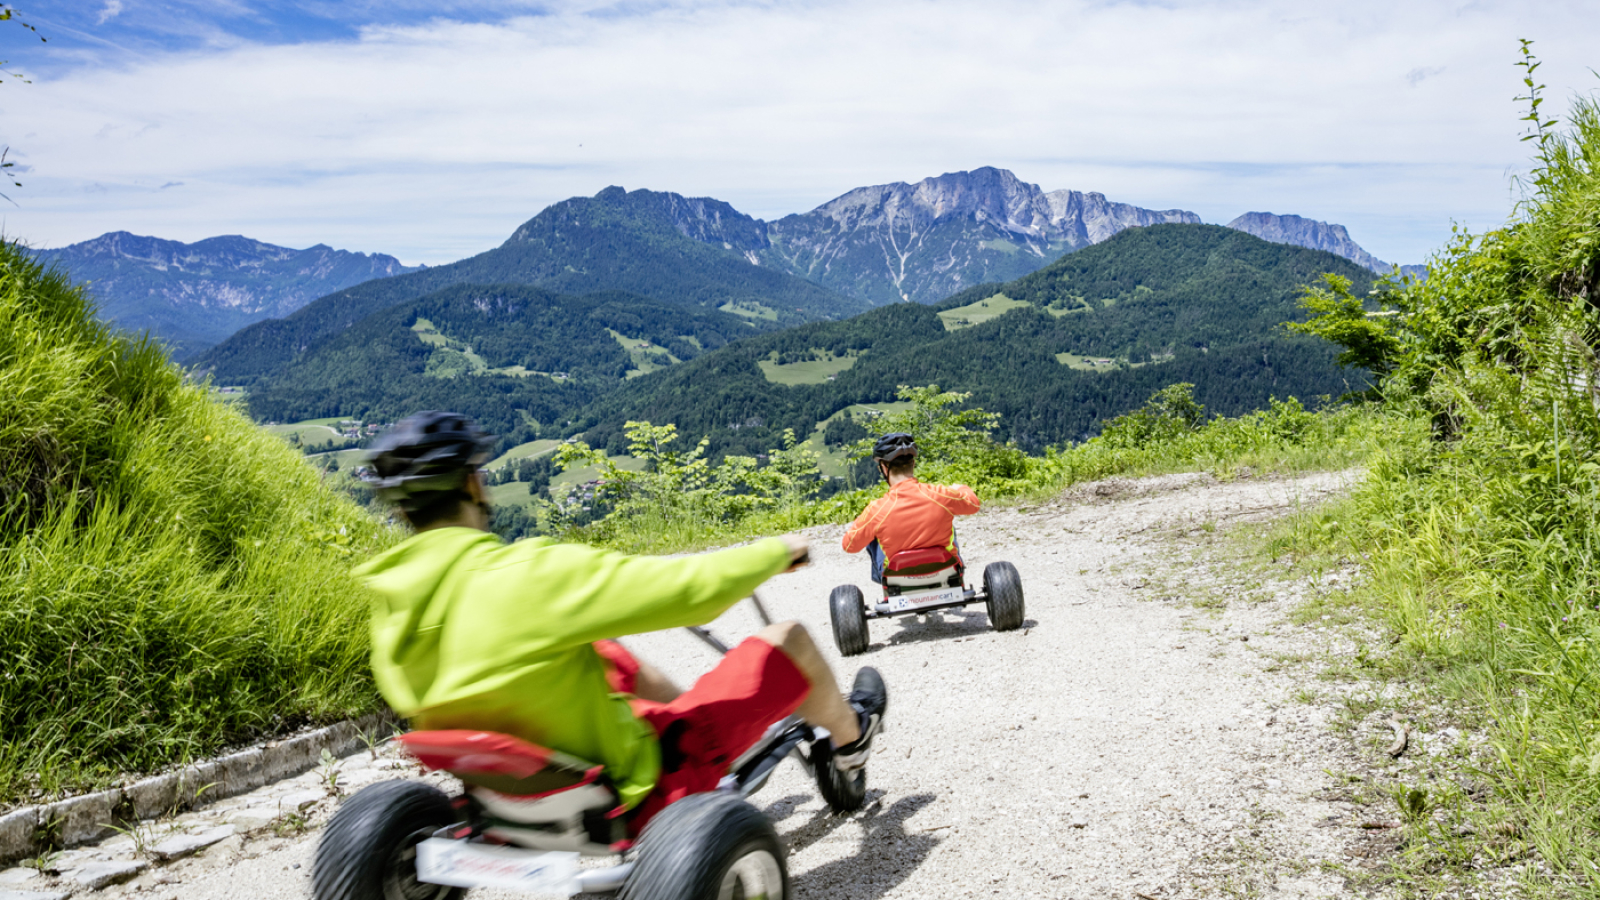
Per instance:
(666,497)
(1480,546)
(173,579)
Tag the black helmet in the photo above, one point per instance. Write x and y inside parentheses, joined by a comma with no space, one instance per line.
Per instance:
(425,453)
(894,446)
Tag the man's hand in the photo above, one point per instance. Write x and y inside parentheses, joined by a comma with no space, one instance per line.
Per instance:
(799,551)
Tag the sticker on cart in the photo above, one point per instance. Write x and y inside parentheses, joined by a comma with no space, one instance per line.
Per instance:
(468,865)
(903,602)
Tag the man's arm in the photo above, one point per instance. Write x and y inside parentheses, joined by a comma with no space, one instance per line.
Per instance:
(861,532)
(587,594)
(958,499)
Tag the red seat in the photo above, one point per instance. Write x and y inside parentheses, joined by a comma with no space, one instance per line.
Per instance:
(530,795)
(921,561)
(500,762)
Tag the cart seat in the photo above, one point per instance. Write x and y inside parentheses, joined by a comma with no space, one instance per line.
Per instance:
(923,567)
(565,800)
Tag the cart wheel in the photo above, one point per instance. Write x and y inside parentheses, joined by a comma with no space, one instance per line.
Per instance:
(842,791)
(712,846)
(1003,586)
(369,851)
(849,611)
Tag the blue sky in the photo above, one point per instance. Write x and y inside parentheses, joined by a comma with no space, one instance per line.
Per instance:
(431,130)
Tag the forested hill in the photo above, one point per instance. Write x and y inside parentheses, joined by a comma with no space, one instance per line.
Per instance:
(1055,352)
(502,353)
(616,240)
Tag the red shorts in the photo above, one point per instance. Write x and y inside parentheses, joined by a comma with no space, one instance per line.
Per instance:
(714,722)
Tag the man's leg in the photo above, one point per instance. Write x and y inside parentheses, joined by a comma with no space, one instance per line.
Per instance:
(875,551)
(653,685)
(824,706)
(628,674)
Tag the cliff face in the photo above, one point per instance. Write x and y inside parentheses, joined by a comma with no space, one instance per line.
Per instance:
(1302,232)
(193,295)
(925,241)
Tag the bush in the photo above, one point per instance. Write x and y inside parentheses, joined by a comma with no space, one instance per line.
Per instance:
(172,578)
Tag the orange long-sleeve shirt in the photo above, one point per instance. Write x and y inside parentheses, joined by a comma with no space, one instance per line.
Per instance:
(910,516)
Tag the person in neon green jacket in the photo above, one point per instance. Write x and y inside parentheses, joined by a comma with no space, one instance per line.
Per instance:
(469,632)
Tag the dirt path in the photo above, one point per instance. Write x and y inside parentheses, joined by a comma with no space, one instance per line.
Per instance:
(1125,743)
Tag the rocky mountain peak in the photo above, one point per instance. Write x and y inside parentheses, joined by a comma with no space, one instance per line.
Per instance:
(994,196)
(699,218)
(1302,232)
(928,240)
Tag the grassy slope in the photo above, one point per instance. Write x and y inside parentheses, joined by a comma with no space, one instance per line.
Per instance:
(173,579)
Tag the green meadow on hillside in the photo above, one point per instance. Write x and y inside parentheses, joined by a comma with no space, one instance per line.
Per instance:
(1206,302)
(529,450)
(979,311)
(822,368)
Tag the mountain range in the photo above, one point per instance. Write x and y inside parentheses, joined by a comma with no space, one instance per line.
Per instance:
(194,295)
(871,246)
(1056,352)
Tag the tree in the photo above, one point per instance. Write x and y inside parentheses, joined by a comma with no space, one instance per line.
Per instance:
(1369,339)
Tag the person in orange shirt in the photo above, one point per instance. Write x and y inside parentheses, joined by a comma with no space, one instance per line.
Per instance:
(912,515)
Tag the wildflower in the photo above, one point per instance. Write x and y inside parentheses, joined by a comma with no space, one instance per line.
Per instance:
(1502,624)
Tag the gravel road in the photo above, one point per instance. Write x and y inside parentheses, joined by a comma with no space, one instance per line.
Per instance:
(1126,742)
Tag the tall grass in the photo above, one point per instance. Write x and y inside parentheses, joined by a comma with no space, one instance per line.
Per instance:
(172,579)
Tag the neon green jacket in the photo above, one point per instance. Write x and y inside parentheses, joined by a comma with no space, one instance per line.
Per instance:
(468,632)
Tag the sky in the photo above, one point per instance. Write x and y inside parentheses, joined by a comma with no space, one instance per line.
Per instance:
(431,130)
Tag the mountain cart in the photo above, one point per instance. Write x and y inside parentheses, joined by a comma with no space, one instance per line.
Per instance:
(526,815)
(921,581)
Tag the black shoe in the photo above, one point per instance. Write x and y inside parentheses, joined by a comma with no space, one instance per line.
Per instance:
(869,697)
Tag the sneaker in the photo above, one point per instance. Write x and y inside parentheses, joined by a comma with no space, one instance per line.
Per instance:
(869,697)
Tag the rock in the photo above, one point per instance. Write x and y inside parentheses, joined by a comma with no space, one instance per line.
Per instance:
(848,243)
(250,821)
(299,801)
(239,772)
(33,895)
(86,818)
(95,876)
(16,832)
(185,844)
(18,875)
(152,797)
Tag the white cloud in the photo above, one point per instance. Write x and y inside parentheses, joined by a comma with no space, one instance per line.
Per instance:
(435,140)
(111,10)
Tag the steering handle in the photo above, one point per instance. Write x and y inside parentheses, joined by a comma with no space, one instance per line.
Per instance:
(715,642)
